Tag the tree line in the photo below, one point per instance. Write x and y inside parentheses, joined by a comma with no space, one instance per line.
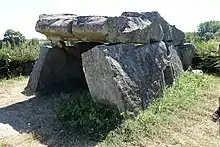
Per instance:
(13,39)
(206,31)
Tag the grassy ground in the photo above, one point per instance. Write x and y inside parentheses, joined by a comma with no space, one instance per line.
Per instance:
(180,118)
(4,82)
(30,121)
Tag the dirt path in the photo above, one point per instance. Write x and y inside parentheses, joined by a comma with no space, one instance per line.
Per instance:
(30,121)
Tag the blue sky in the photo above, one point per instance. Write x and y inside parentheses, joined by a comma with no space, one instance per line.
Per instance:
(21,15)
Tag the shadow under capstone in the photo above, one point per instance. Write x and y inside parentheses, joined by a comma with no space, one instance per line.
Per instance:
(50,118)
(59,69)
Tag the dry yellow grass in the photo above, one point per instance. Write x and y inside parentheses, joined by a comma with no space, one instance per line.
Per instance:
(22,140)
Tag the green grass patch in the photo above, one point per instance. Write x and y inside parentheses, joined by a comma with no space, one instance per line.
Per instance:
(81,114)
(188,91)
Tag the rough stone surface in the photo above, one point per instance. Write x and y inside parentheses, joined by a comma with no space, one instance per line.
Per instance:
(35,74)
(186,52)
(130,76)
(130,27)
(57,70)
(123,73)
(175,62)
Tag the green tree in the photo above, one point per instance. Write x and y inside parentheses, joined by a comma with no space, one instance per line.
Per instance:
(14,37)
(209,28)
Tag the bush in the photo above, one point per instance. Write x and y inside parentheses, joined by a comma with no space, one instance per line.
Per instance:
(206,58)
(18,61)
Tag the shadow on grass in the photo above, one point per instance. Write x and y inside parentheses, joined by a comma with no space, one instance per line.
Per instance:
(95,120)
(62,119)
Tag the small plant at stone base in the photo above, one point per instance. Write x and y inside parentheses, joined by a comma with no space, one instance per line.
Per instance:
(84,115)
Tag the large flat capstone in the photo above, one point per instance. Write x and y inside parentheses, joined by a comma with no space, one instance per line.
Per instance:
(130,27)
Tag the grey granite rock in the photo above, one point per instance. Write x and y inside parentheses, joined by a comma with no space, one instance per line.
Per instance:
(130,27)
(130,76)
(186,52)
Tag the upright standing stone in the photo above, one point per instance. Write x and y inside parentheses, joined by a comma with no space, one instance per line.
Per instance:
(126,75)
(186,52)
(57,70)
(35,74)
